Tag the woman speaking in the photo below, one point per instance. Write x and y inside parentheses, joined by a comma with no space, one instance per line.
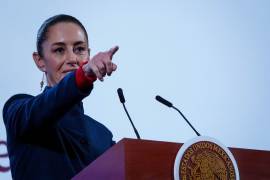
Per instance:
(48,135)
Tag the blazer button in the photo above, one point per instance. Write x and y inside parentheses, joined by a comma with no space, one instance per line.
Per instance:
(83,141)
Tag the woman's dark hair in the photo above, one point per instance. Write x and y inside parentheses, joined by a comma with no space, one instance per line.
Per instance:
(43,30)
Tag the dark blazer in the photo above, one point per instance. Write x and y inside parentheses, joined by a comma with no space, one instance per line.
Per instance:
(49,136)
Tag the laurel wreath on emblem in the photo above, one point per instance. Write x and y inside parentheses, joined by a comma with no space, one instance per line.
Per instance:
(205,158)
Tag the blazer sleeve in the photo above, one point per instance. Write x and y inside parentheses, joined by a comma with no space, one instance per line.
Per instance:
(24,113)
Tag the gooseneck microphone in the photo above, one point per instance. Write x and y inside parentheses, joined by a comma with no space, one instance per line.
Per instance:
(169,104)
(122,100)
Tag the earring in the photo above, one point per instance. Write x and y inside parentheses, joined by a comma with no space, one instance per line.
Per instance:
(42,82)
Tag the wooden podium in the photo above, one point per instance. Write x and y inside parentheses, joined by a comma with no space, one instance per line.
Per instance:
(132,159)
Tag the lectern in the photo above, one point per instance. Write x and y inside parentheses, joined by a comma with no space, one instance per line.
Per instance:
(132,159)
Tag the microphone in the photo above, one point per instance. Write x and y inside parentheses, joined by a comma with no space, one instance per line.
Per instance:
(169,104)
(122,100)
(164,101)
(121,95)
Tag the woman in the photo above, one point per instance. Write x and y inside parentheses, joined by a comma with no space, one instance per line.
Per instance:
(49,136)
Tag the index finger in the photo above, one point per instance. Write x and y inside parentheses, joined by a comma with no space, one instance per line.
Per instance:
(112,51)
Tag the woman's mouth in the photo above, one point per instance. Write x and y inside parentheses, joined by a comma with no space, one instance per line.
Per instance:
(68,70)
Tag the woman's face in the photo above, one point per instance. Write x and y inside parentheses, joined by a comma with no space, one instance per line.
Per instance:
(64,49)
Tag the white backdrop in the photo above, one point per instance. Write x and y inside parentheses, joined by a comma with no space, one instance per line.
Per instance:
(210,58)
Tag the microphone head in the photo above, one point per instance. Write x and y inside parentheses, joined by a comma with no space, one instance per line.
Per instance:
(163,101)
(121,95)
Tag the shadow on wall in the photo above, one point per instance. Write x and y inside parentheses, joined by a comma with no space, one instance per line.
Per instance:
(5,155)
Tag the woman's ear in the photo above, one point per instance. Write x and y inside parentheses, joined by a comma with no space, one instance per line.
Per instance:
(39,62)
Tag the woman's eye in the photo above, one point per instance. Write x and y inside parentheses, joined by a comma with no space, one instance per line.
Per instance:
(59,50)
(80,50)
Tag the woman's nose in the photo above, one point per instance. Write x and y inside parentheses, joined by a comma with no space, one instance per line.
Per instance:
(72,58)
